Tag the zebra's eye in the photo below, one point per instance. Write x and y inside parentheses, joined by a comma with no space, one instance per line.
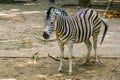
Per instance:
(52,22)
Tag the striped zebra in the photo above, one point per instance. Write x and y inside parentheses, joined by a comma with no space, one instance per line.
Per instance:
(75,29)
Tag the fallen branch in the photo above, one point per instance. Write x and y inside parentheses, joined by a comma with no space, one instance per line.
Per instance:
(116,69)
(43,40)
(53,57)
(57,59)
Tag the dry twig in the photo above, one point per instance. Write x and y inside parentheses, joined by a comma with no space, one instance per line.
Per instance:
(43,40)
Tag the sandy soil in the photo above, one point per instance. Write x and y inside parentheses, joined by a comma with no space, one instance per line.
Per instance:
(20,23)
(46,69)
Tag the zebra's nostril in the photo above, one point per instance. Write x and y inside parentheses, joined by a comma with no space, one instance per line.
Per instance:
(45,35)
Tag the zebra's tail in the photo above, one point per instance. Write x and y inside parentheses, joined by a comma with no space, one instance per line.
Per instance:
(105,30)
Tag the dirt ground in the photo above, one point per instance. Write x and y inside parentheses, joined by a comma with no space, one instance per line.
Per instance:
(46,69)
(21,23)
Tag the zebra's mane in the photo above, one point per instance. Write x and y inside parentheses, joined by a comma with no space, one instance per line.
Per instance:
(53,9)
(48,12)
(79,13)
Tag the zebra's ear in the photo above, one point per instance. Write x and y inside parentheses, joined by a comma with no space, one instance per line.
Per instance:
(58,13)
(46,10)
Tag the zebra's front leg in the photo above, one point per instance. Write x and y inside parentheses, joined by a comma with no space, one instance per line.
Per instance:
(70,58)
(61,57)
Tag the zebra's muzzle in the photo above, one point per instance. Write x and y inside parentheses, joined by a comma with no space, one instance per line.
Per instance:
(45,35)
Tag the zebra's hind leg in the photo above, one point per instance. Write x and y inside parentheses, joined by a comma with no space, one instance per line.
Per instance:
(70,57)
(89,47)
(95,38)
(61,57)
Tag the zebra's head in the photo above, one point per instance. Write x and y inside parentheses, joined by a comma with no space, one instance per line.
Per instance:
(50,20)
(50,25)
(49,28)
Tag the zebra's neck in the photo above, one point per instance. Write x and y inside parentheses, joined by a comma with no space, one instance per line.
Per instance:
(63,31)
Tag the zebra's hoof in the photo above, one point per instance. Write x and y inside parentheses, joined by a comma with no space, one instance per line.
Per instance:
(87,63)
(59,70)
(99,63)
(69,73)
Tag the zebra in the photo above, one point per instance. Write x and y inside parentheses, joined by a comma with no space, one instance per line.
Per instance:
(75,29)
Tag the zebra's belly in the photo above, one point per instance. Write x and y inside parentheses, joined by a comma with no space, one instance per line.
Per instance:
(75,37)
(79,41)
(74,40)
(81,38)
